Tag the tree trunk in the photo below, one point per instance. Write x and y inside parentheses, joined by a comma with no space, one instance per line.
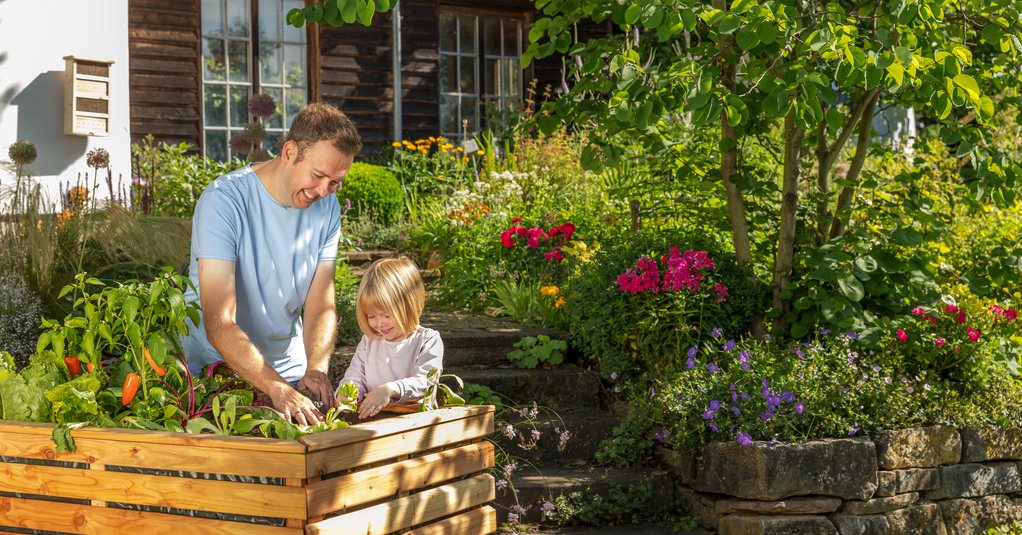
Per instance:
(789,210)
(826,156)
(837,225)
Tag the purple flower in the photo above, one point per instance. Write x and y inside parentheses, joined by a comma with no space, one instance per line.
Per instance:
(852,335)
(798,353)
(716,332)
(824,332)
(712,367)
(744,439)
(787,396)
(708,414)
(661,435)
(691,363)
(692,351)
(743,359)
(734,393)
(714,405)
(799,407)
(766,415)
(728,346)
(736,411)
(652,392)
(714,428)
(853,430)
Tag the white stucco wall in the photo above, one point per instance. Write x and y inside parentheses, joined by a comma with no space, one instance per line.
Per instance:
(35,35)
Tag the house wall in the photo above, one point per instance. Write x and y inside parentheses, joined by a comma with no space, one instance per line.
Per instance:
(35,35)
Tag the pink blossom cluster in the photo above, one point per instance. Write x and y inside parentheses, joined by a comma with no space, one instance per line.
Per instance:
(535,236)
(1003,313)
(681,270)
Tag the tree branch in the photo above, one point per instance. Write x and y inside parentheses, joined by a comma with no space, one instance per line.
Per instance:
(837,226)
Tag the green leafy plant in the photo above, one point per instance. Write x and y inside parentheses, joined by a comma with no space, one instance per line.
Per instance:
(541,350)
(167,179)
(438,393)
(371,190)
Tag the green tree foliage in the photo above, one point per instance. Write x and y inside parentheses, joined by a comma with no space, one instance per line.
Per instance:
(811,70)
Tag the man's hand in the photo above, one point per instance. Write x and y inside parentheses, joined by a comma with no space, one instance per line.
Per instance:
(294,406)
(318,383)
(376,400)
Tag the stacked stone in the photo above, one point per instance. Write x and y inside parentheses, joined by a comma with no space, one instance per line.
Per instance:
(933,480)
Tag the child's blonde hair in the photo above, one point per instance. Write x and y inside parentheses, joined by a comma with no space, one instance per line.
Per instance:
(392,286)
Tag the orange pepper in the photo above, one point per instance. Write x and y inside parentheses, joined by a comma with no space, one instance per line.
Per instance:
(131,383)
(160,370)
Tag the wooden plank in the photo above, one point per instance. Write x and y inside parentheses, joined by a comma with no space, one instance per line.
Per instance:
(85,519)
(188,458)
(409,511)
(388,447)
(162,491)
(389,426)
(366,486)
(480,521)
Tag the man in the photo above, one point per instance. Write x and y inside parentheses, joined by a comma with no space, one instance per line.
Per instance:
(264,245)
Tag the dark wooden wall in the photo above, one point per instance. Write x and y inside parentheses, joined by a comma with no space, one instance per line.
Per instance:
(163,57)
(420,68)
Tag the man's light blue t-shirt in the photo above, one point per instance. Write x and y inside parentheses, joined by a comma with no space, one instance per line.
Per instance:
(275,250)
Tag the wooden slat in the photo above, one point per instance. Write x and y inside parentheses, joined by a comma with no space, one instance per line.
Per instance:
(366,486)
(163,491)
(85,519)
(409,511)
(388,447)
(481,521)
(160,437)
(389,426)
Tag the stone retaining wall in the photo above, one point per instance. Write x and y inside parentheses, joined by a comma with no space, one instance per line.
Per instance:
(932,480)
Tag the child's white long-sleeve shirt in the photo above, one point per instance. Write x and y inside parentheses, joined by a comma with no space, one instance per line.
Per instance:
(404,362)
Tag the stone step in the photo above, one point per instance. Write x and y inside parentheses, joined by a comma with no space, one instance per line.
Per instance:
(587,427)
(364,258)
(562,388)
(428,275)
(630,529)
(475,340)
(534,486)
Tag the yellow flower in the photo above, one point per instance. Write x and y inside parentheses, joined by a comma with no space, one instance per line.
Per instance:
(432,139)
(464,160)
(395,144)
(559,302)
(480,152)
(549,290)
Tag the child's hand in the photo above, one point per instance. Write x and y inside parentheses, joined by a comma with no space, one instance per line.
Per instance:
(376,400)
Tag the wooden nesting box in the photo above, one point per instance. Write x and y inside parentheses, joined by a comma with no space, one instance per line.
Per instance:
(86,97)
(421,473)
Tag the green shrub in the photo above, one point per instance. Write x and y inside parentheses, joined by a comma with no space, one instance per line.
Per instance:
(345,291)
(373,190)
(169,178)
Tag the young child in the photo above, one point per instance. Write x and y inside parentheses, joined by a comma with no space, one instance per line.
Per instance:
(396,353)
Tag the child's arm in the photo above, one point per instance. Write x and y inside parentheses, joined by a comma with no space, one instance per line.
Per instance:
(430,357)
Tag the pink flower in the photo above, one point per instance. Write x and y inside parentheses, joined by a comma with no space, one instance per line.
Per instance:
(918,311)
(567,229)
(902,337)
(1011,314)
(554,254)
(973,334)
(521,231)
(951,308)
(931,319)
(961,316)
(939,342)
(506,239)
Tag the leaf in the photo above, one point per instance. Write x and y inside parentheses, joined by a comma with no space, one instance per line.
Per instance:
(632,14)
(366,10)
(907,236)
(866,263)
(963,54)
(382,6)
(747,38)
(349,10)
(729,24)
(897,73)
(296,17)
(969,84)
(198,425)
(941,104)
(991,34)
(851,288)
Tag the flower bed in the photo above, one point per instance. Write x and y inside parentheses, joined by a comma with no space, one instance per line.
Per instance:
(421,471)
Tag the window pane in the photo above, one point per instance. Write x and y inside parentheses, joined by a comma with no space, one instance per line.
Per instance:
(239,105)
(467,76)
(295,100)
(448,32)
(292,34)
(467,33)
(470,112)
(449,114)
(237,18)
(212,18)
(491,77)
(514,77)
(269,63)
(275,120)
(448,76)
(269,20)
(213,59)
(216,145)
(294,65)
(237,61)
(512,40)
(273,141)
(215,105)
(491,37)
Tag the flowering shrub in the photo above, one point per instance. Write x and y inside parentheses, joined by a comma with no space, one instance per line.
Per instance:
(686,270)
(468,212)
(555,239)
(953,343)
(830,387)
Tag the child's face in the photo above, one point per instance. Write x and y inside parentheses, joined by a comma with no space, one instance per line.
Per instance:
(381,323)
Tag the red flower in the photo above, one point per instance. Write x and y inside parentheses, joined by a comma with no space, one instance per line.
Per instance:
(902,337)
(973,334)
(961,316)
(918,311)
(939,342)
(506,239)
(567,228)
(951,308)
(1010,314)
(515,220)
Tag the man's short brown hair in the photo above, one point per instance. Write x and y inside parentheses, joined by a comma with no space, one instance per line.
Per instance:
(319,121)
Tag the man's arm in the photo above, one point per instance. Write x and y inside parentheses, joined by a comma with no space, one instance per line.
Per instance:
(219,301)
(319,323)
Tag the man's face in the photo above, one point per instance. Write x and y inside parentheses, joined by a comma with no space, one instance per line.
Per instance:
(317,175)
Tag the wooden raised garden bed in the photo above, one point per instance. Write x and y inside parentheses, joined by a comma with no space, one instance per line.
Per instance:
(421,473)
